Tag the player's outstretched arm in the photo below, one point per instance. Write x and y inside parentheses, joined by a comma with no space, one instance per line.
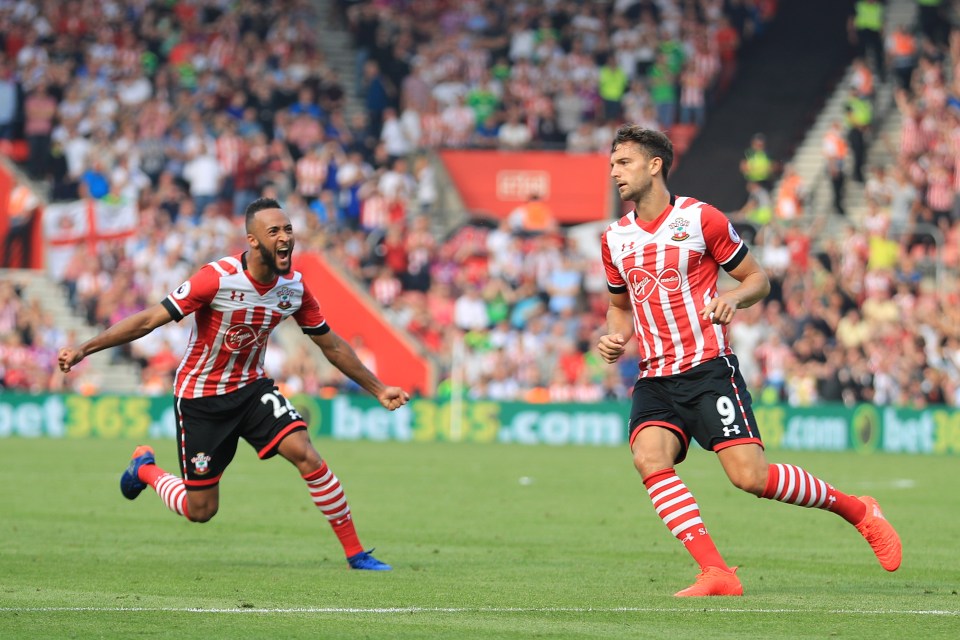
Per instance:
(343,357)
(127,330)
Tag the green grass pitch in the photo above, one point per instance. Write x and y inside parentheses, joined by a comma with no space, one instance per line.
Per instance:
(487,541)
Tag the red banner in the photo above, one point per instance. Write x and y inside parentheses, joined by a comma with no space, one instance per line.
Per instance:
(350,314)
(576,187)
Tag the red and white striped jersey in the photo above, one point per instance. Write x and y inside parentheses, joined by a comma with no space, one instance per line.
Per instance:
(229,147)
(311,172)
(669,267)
(233,316)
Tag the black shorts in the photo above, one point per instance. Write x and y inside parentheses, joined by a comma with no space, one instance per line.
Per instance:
(210,428)
(709,403)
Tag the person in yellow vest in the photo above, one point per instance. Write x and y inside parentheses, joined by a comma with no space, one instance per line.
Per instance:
(612,83)
(866,32)
(756,165)
(758,210)
(859,119)
(21,209)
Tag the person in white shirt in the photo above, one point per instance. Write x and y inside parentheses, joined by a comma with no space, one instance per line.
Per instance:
(514,133)
(202,171)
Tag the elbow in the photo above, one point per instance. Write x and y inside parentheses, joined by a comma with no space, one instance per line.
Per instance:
(764,286)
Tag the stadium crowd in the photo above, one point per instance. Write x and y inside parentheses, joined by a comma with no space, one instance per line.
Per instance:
(192,110)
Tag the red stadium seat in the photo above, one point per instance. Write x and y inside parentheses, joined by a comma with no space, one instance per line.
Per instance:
(682,135)
(16,150)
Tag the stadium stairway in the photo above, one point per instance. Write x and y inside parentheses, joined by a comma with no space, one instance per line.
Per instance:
(810,163)
(104,372)
(337,45)
(779,87)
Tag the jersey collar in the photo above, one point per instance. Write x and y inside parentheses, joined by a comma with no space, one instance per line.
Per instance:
(652,226)
(259,286)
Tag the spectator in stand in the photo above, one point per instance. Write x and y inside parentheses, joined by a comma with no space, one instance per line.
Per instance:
(458,123)
(9,99)
(866,32)
(757,166)
(862,80)
(533,217)
(790,196)
(612,84)
(835,152)
(727,42)
(21,208)
(693,97)
(202,172)
(40,108)
(663,91)
(514,134)
(859,119)
(378,95)
(901,49)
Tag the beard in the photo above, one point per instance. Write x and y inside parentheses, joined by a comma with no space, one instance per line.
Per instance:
(270,260)
(639,194)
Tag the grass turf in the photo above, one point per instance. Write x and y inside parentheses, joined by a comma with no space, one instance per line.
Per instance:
(492,541)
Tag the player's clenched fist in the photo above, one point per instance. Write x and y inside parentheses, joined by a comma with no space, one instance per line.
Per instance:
(611,347)
(393,398)
(67,358)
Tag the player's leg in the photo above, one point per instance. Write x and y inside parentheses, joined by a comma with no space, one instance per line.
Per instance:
(657,444)
(654,450)
(747,468)
(206,443)
(730,429)
(327,494)
(274,426)
(143,471)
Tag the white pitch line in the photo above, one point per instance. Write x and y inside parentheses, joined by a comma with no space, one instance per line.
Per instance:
(406,610)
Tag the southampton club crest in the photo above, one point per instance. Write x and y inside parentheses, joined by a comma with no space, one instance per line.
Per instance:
(284,294)
(201,463)
(679,228)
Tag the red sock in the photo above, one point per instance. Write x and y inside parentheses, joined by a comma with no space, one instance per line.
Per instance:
(328,495)
(169,487)
(679,511)
(791,484)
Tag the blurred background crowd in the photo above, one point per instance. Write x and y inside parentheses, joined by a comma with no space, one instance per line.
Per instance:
(192,109)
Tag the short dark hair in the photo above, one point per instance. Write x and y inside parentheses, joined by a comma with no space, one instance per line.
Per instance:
(655,144)
(256,206)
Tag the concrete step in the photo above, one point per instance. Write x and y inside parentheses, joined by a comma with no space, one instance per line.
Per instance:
(114,377)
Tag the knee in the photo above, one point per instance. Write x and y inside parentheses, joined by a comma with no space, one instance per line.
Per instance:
(301,454)
(202,514)
(201,509)
(647,461)
(750,478)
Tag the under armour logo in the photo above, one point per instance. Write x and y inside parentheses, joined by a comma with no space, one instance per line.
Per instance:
(730,431)
(831,500)
(688,537)
(235,296)
(627,245)
(645,283)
